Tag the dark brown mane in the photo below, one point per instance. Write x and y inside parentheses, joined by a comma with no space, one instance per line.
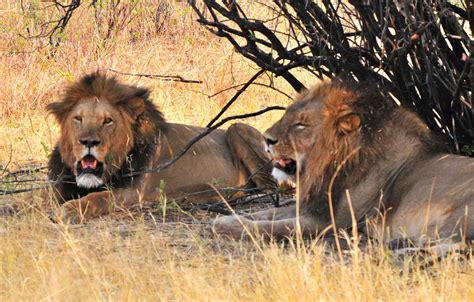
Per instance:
(145,127)
(101,86)
(353,155)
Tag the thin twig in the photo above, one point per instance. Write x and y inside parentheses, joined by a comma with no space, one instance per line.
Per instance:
(11,192)
(167,78)
(256,84)
(235,97)
(24,171)
(18,181)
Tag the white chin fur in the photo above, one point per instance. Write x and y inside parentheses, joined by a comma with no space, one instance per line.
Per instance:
(281,176)
(89,181)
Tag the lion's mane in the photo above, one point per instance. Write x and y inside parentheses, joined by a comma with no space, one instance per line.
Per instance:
(338,161)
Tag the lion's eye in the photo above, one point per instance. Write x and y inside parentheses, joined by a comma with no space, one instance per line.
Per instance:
(78,118)
(107,121)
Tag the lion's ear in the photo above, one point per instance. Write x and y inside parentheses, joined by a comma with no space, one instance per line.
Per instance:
(136,107)
(349,123)
(58,109)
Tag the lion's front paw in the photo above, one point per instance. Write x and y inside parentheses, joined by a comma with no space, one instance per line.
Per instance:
(70,212)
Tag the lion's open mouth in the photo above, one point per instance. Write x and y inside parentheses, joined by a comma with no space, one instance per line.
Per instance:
(89,164)
(89,172)
(286,165)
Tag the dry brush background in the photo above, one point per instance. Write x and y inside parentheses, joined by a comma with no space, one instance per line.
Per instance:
(137,257)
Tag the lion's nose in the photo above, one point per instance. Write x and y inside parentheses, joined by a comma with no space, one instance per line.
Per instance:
(90,142)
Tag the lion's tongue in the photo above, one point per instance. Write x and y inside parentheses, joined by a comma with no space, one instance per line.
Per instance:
(283,162)
(89,163)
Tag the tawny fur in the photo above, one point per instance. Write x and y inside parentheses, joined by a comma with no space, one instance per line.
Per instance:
(128,134)
(348,140)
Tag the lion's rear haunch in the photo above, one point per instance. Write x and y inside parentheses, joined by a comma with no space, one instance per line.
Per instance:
(108,129)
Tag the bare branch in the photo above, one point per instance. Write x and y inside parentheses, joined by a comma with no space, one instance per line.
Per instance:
(11,192)
(234,98)
(167,78)
(417,52)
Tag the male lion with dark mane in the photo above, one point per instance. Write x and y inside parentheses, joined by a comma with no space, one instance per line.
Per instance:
(110,131)
(348,147)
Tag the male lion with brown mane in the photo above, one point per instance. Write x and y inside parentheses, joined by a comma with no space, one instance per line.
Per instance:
(110,131)
(348,147)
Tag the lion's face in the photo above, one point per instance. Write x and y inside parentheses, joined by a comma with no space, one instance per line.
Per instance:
(291,138)
(96,138)
(104,124)
(317,124)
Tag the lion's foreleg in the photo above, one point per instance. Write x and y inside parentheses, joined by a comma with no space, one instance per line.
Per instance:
(261,224)
(96,204)
(273,213)
(241,227)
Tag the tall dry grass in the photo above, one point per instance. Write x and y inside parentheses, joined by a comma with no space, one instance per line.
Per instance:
(137,258)
(127,259)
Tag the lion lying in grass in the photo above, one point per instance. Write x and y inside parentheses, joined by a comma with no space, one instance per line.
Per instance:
(109,130)
(351,150)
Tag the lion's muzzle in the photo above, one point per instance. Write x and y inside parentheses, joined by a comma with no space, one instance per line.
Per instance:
(89,172)
(284,169)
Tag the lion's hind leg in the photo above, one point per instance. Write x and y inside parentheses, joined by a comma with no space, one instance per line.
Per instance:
(248,149)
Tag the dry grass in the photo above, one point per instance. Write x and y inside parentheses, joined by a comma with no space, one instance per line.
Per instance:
(137,258)
(126,259)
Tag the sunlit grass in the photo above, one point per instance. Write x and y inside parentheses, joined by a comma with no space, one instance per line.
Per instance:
(139,258)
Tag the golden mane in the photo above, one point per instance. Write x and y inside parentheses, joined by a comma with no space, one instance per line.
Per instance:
(349,157)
